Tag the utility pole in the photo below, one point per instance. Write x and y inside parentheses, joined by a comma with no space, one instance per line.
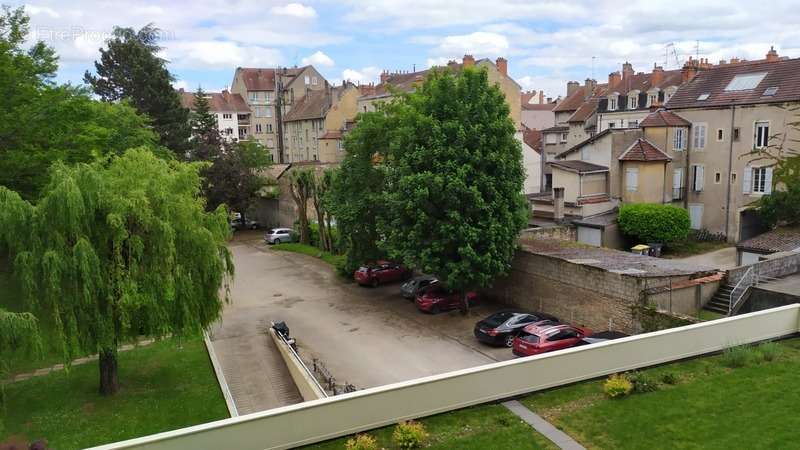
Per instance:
(279,114)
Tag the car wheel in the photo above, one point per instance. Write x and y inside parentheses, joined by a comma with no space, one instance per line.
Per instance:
(374,282)
(276,241)
(435,309)
(509,341)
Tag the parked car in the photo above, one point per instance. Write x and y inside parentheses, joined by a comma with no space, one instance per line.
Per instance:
(278,236)
(502,327)
(381,272)
(602,336)
(437,298)
(535,340)
(412,287)
(248,224)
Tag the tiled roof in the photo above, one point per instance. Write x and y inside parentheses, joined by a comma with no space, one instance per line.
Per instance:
(313,105)
(263,79)
(589,140)
(218,101)
(783,74)
(782,239)
(579,166)
(643,150)
(641,82)
(556,129)
(574,101)
(332,134)
(585,111)
(533,138)
(662,118)
(538,107)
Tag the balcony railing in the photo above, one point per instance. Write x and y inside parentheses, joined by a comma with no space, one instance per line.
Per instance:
(677,193)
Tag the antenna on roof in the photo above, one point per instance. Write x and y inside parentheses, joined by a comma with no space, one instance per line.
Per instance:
(674,53)
(593,59)
(697,50)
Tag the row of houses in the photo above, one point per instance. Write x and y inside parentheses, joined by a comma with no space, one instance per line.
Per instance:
(688,137)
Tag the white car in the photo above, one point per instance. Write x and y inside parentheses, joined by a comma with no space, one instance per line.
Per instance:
(278,236)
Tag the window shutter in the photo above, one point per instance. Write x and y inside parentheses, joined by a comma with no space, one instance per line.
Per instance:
(768,181)
(632,179)
(699,180)
(747,180)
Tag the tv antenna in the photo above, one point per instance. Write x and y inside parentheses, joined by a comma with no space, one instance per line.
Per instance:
(593,59)
(669,50)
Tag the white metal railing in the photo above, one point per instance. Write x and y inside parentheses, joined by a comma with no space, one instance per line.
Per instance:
(737,294)
(318,420)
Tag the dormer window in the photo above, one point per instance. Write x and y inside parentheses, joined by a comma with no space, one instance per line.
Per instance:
(612,103)
(652,98)
(669,92)
(633,102)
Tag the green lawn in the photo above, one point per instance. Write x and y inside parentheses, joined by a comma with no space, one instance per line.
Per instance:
(711,406)
(476,428)
(333,260)
(705,315)
(162,387)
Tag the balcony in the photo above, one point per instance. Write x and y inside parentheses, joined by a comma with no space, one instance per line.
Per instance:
(244,119)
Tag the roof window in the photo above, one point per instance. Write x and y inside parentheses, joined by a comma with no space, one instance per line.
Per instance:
(704,96)
(745,81)
(770,91)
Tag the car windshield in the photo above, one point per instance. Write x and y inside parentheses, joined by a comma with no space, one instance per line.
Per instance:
(530,338)
(272,231)
(498,319)
(363,269)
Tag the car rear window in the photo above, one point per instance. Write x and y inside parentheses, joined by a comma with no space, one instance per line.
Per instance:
(530,338)
(363,269)
(498,319)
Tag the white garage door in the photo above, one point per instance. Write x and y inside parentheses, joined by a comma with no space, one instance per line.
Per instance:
(696,216)
(590,236)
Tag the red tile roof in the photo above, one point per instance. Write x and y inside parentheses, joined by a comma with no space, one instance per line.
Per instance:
(783,74)
(263,79)
(533,138)
(644,151)
(586,141)
(584,112)
(574,101)
(332,134)
(641,82)
(313,105)
(218,101)
(662,118)
(578,166)
(782,239)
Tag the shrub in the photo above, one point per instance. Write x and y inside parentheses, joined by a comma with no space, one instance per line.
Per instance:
(642,382)
(669,378)
(650,222)
(770,351)
(617,386)
(361,442)
(737,356)
(409,434)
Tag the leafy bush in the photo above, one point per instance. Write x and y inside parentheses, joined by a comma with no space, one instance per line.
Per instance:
(669,378)
(651,222)
(642,382)
(770,351)
(409,434)
(617,386)
(737,356)
(361,442)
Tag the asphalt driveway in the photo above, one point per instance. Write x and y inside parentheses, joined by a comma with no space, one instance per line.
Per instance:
(367,337)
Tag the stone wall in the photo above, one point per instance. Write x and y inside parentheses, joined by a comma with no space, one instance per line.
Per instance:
(560,233)
(778,265)
(685,297)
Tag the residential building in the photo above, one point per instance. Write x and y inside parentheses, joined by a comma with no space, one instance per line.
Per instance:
(735,110)
(537,110)
(531,159)
(231,111)
(755,249)
(271,93)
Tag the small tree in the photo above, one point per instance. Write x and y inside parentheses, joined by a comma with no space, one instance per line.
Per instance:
(234,177)
(322,185)
(650,222)
(301,187)
(115,250)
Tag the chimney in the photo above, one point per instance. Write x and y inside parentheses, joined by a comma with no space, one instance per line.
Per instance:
(468,61)
(734,60)
(502,65)
(627,70)
(657,77)
(590,85)
(558,204)
(384,76)
(689,70)
(613,79)
(772,55)
(541,97)
(572,86)
(226,95)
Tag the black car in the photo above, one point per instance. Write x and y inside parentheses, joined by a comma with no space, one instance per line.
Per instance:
(412,287)
(501,328)
(601,337)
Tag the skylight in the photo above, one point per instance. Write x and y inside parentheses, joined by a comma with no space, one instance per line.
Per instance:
(770,91)
(703,96)
(745,81)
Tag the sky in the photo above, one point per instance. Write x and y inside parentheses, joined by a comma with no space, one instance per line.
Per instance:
(547,43)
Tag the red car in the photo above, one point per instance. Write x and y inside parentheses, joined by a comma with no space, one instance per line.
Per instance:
(535,340)
(381,272)
(436,299)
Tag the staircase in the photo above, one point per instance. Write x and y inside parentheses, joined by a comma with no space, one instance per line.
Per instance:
(721,301)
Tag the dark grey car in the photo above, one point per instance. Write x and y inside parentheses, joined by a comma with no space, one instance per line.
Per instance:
(410,288)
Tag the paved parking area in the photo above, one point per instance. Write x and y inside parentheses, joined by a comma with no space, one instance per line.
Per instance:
(367,337)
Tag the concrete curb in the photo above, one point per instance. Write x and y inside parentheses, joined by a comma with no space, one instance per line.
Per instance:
(303,378)
(223,385)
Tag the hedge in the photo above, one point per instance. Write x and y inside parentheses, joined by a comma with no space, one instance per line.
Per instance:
(650,222)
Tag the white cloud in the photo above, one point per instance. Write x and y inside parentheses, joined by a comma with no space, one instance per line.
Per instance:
(318,59)
(295,10)
(181,84)
(217,54)
(479,43)
(34,10)
(364,75)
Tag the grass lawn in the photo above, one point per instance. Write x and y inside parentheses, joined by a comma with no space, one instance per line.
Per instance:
(162,387)
(705,315)
(476,428)
(710,406)
(333,260)
(691,247)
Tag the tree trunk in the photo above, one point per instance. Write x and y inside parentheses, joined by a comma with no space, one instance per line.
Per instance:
(464,304)
(109,382)
(328,232)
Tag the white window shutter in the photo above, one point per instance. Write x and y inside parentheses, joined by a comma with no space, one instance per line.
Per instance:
(699,178)
(747,180)
(632,179)
(768,181)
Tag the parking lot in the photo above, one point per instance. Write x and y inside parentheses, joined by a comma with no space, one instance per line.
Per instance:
(365,336)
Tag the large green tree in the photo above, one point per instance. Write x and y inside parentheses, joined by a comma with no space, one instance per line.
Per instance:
(235,176)
(118,249)
(130,69)
(41,122)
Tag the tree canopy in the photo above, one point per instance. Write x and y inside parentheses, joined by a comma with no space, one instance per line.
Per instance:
(117,249)
(130,69)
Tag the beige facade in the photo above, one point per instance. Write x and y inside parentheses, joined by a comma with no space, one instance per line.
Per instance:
(642,182)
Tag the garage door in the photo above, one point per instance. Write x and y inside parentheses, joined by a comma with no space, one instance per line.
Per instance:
(696,216)
(590,236)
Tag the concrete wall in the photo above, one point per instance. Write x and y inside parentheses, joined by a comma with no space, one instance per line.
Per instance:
(538,120)
(778,265)
(561,233)
(302,377)
(319,420)
(594,183)
(570,181)
(532,163)
(684,297)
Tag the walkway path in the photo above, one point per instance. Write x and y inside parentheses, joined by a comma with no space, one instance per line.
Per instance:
(721,259)
(558,437)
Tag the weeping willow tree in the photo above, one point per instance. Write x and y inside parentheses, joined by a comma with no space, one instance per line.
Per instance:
(115,250)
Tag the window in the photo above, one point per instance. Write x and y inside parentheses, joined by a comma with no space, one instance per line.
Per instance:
(252,96)
(585,153)
(760,180)
(633,102)
(612,103)
(632,179)
(699,136)
(226,116)
(669,92)
(314,81)
(720,135)
(563,137)
(679,139)
(550,138)
(611,125)
(762,134)
(229,131)
(736,133)
(703,97)
(733,177)
(269,128)
(268,97)
(652,99)
(698,176)
(261,111)
(717,178)
(770,91)
(745,81)
(307,80)
(633,124)
(677,184)
(258,128)
(270,143)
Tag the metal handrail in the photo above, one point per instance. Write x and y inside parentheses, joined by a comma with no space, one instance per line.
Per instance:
(302,364)
(734,299)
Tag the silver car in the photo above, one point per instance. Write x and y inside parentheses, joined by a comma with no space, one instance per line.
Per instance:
(278,236)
